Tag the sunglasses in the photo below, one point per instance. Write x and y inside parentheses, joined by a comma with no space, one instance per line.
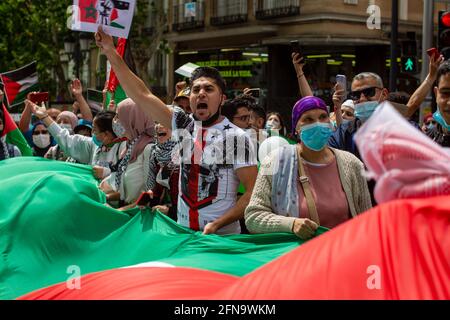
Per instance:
(430,122)
(368,92)
(35,133)
(162,134)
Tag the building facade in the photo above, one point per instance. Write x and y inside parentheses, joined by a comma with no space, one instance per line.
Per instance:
(249,42)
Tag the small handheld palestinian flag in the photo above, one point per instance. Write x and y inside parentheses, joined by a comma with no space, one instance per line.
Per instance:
(18,83)
(115,90)
(13,134)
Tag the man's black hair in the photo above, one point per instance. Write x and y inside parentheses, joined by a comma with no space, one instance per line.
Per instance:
(443,69)
(103,121)
(260,112)
(231,106)
(399,97)
(211,73)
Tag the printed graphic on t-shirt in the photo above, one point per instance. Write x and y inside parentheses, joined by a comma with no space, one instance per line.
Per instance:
(208,181)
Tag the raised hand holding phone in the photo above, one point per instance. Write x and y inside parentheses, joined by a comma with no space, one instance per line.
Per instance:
(341,81)
(38,97)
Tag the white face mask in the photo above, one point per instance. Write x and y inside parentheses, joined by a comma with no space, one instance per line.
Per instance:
(66,126)
(273,124)
(41,140)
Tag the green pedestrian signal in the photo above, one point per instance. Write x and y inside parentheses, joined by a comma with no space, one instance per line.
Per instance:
(409,64)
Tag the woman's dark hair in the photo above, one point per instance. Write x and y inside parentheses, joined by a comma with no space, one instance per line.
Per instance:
(103,121)
(2,117)
(283,129)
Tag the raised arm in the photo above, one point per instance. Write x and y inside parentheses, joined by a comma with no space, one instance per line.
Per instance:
(338,98)
(305,89)
(133,86)
(424,89)
(77,92)
(25,118)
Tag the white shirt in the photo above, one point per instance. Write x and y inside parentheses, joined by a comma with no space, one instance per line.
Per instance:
(208,189)
(84,150)
(134,179)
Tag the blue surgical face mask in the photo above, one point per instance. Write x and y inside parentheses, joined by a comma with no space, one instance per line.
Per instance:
(346,121)
(364,110)
(96,141)
(118,129)
(315,136)
(440,119)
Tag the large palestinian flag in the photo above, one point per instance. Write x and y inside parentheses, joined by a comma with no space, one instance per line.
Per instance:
(18,83)
(13,134)
(399,250)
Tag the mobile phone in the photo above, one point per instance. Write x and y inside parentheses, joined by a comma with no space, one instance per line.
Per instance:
(39,97)
(433,52)
(341,80)
(295,45)
(255,92)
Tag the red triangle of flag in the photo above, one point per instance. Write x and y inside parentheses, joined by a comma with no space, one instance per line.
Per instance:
(114,14)
(12,88)
(9,124)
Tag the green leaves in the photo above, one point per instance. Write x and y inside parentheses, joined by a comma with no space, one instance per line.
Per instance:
(28,29)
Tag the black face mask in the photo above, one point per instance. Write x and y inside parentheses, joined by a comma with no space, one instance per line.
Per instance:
(212,119)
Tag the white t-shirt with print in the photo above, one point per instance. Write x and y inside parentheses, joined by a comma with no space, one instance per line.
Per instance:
(208,181)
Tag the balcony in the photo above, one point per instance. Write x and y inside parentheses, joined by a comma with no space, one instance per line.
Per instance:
(189,15)
(228,12)
(268,9)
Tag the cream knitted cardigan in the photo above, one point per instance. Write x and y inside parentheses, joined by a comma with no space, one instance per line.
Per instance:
(260,217)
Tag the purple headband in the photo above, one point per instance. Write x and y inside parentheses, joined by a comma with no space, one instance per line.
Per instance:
(306,104)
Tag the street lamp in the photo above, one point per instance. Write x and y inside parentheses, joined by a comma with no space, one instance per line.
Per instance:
(76,45)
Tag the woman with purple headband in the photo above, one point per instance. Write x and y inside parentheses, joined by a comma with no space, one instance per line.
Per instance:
(326,187)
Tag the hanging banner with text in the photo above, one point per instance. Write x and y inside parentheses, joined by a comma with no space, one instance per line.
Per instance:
(114,16)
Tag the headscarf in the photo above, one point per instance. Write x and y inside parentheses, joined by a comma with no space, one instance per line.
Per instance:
(349,104)
(404,162)
(306,104)
(72,118)
(52,140)
(137,124)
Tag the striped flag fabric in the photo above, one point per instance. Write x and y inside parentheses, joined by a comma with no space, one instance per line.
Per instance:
(14,135)
(402,258)
(18,83)
(54,244)
(115,90)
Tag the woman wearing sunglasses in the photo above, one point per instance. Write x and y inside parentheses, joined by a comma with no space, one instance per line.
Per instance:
(302,186)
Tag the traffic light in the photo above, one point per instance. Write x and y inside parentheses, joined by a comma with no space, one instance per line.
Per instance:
(409,64)
(444,34)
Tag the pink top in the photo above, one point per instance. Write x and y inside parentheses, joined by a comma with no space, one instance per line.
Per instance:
(332,206)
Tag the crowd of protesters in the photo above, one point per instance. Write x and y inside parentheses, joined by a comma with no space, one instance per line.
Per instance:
(198,158)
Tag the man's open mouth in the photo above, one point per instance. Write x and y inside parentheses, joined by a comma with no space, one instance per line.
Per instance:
(202,106)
